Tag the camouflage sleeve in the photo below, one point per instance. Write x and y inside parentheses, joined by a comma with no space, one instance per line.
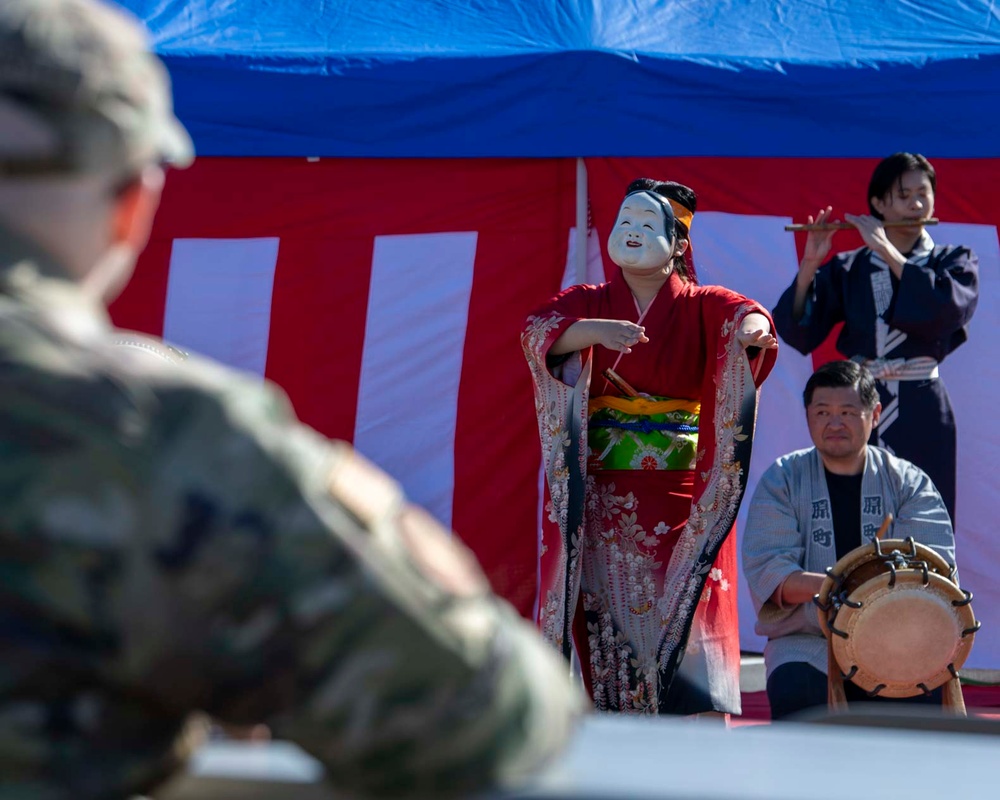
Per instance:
(314,598)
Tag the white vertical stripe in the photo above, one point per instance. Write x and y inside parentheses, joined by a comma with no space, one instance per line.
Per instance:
(593,270)
(219,299)
(418,308)
(755,256)
(972,376)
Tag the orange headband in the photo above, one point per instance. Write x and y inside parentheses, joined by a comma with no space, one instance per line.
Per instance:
(681,213)
(685,215)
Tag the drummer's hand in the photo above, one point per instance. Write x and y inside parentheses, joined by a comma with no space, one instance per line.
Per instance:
(818,244)
(797,588)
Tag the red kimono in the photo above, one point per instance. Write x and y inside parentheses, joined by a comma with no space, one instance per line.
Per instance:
(636,564)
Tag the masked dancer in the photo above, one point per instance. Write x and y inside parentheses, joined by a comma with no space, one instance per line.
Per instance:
(645,391)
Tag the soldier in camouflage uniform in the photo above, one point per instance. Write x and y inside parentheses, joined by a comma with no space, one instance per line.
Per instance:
(172,541)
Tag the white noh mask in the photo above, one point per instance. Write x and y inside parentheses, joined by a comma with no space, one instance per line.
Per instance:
(640,239)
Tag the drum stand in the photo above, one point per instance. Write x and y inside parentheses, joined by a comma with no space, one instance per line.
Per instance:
(870,579)
(836,698)
(952,699)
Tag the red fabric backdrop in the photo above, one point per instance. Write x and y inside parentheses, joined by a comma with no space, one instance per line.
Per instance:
(328,215)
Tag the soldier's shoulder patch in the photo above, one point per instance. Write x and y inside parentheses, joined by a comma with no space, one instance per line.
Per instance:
(363,489)
(443,560)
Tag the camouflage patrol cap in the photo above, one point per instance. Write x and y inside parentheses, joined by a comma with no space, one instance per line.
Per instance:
(81,92)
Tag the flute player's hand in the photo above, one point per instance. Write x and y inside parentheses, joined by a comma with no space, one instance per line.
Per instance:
(817,248)
(818,243)
(872,231)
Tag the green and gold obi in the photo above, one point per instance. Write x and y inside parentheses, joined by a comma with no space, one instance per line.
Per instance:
(651,433)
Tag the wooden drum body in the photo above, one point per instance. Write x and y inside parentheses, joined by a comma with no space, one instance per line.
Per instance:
(897,623)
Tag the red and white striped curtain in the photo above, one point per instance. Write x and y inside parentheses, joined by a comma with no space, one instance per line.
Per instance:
(386,297)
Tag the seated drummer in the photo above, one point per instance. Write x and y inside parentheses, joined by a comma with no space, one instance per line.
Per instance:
(811,508)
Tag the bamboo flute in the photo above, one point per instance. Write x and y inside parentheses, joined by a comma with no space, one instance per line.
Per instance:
(846,226)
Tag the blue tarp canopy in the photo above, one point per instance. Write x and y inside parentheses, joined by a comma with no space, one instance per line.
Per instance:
(475,78)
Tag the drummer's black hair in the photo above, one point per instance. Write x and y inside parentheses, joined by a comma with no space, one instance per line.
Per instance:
(888,175)
(839,374)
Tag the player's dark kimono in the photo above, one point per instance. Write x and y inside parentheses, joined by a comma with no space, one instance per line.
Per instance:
(901,329)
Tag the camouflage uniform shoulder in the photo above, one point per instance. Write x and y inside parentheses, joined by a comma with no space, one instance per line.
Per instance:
(209,552)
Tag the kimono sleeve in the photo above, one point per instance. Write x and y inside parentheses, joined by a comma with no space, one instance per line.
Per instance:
(937,299)
(773,547)
(732,305)
(550,321)
(823,308)
(922,513)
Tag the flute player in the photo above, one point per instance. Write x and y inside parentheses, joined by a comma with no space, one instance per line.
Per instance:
(905,303)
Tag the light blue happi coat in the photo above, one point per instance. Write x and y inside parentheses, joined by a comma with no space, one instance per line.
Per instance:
(790,529)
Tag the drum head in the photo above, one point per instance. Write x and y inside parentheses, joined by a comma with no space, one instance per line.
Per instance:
(906,632)
(868,561)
